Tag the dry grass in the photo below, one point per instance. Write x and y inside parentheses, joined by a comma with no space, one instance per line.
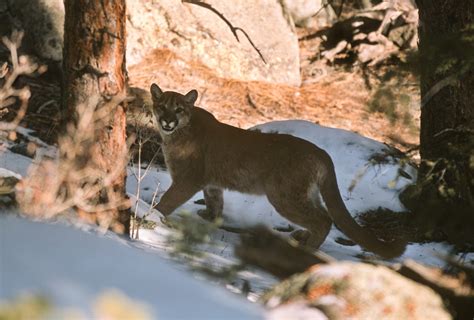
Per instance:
(339,99)
(329,95)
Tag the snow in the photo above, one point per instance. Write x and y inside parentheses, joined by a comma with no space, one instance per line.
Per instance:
(72,268)
(364,184)
(7,173)
(15,163)
(377,185)
(298,310)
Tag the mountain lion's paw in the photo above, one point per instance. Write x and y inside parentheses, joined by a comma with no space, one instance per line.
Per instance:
(206,214)
(301,236)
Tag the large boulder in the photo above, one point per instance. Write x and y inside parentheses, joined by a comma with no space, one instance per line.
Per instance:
(196,32)
(43,22)
(189,30)
(358,291)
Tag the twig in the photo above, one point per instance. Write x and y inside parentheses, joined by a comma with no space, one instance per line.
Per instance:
(320,9)
(459,129)
(448,81)
(20,66)
(134,233)
(44,105)
(252,103)
(139,176)
(229,24)
(341,7)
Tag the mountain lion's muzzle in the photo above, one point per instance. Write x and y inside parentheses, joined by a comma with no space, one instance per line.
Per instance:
(168,126)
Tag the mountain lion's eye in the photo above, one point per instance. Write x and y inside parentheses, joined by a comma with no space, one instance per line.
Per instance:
(179,110)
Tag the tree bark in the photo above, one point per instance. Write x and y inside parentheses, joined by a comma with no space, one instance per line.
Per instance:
(94,74)
(446,176)
(452,106)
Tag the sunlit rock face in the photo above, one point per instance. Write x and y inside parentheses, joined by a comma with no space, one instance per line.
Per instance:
(190,31)
(42,21)
(199,34)
(355,290)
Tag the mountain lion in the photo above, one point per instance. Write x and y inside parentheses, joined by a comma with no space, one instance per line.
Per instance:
(202,153)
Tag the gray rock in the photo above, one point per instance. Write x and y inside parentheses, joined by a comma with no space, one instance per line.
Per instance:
(358,291)
(190,31)
(198,33)
(43,23)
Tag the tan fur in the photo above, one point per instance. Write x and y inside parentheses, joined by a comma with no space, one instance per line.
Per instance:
(202,153)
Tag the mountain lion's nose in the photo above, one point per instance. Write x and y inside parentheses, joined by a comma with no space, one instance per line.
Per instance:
(168,125)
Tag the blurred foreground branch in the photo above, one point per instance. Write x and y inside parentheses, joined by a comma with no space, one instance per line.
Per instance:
(75,180)
(283,260)
(9,95)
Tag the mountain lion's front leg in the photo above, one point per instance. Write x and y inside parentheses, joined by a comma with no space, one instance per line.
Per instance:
(175,196)
(214,203)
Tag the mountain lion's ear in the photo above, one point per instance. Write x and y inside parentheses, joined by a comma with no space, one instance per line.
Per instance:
(191,96)
(156,92)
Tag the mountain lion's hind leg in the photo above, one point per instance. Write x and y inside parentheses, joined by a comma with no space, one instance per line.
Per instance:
(214,199)
(302,211)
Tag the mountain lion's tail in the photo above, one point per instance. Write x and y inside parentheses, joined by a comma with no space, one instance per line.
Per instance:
(343,219)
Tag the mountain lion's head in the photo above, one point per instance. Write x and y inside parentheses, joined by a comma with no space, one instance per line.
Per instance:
(172,110)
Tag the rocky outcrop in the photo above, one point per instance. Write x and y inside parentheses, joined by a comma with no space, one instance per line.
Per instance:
(196,32)
(190,31)
(358,291)
(43,22)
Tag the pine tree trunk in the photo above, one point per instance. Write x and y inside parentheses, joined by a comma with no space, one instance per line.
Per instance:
(446,175)
(95,73)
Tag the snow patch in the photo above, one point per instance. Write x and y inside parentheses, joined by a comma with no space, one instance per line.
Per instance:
(72,268)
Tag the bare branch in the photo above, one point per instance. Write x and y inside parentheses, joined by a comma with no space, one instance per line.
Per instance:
(324,6)
(229,24)
(448,81)
(20,66)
